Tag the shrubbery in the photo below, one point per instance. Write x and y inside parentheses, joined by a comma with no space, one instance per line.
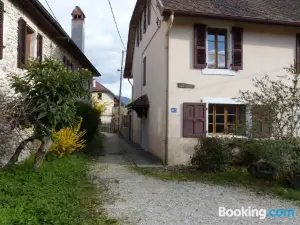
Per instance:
(219,153)
(68,140)
(90,120)
(212,154)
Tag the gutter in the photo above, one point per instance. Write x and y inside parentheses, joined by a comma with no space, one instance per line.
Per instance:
(171,21)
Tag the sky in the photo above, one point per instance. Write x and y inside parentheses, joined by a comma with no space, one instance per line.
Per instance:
(102,44)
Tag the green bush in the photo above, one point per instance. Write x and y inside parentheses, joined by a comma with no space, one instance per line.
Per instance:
(90,120)
(96,146)
(212,154)
(280,154)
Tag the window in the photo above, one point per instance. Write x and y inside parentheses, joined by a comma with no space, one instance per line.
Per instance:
(68,63)
(144,71)
(145,20)
(225,118)
(138,35)
(29,43)
(149,11)
(210,48)
(100,96)
(217,48)
(140,27)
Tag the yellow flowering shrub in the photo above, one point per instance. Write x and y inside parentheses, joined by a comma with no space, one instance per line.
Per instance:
(68,140)
(100,107)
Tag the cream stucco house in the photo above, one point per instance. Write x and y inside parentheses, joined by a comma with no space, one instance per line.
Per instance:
(189,59)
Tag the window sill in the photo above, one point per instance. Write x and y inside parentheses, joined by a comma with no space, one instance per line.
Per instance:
(226,136)
(223,72)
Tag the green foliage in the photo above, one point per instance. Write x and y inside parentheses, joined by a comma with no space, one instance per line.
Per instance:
(96,146)
(212,154)
(275,105)
(90,120)
(278,153)
(50,90)
(58,193)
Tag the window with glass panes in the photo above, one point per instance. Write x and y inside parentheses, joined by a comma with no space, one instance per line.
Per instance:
(225,118)
(217,48)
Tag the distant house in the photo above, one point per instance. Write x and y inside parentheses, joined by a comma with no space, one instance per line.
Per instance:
(104,96)
(189,59)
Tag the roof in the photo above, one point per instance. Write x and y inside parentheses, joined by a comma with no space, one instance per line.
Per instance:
(140,105)
(36,11)
(285,12)
(278,12)
(100,88)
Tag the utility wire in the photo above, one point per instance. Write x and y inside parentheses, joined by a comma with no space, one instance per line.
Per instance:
(51,10)
(112,12)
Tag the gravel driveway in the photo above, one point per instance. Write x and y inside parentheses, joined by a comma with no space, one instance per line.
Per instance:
(136,199)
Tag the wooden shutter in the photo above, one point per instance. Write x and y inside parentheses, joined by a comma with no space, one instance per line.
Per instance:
(1,28)
(200,46)
(40,47)
(21,43)
(297,61)
(194,120)
(237,48)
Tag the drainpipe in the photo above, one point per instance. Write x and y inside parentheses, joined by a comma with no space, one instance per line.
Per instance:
(171,20)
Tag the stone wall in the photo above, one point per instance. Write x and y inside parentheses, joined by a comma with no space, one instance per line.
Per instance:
(9,64)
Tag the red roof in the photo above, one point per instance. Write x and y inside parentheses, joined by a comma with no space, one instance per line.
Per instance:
(99,87)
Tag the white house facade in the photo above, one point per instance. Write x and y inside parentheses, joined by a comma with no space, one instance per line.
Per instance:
(192,61)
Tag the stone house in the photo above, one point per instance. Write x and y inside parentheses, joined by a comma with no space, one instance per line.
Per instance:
(27,30)
(189,59)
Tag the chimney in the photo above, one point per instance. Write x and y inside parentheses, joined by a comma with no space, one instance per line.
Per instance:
(78,33)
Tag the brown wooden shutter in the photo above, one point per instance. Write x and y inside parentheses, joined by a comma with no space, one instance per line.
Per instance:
(237,48)
(200,46)
(40,47)
(1,28)
(297,61)
(21,43)
(194,120)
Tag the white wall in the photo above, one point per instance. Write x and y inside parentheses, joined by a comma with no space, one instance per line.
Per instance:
(109,100)
(266,49)
(155,51)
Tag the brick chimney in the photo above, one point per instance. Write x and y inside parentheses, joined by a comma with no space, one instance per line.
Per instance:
(78,33)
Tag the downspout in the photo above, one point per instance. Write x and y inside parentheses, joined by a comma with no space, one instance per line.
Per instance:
(171,20)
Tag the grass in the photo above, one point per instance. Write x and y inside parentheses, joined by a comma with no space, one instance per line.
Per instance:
(234,176)
(59,192)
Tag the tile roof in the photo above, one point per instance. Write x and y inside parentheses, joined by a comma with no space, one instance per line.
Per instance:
(280,12)
(274,10)
(100,88)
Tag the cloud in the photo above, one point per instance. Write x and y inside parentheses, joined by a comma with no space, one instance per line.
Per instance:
(102,45)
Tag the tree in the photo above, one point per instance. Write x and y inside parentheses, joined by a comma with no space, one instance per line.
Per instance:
(276,104)
(49,90)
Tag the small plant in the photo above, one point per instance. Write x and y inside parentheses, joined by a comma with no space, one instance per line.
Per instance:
(212,154)
(68,140)
(90,120)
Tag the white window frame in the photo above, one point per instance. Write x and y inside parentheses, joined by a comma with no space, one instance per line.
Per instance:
(224,72)
(225,101)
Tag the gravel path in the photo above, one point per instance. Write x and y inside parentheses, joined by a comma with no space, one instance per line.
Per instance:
(137,199)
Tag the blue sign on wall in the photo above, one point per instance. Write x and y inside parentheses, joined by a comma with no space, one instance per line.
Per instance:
(173,110)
